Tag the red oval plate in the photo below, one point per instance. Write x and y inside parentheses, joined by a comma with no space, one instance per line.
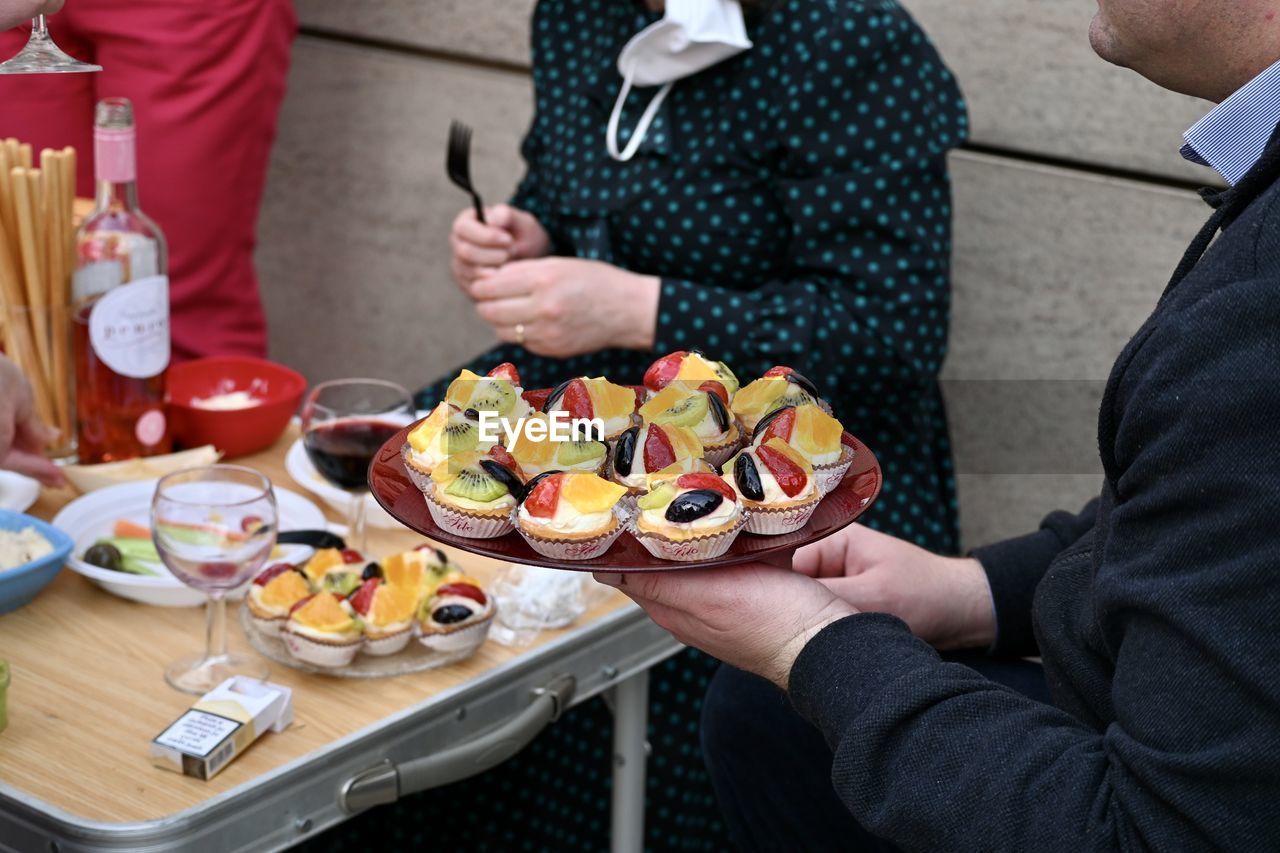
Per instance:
(392,489)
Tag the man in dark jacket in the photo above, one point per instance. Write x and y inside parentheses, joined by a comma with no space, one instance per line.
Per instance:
(1157,721)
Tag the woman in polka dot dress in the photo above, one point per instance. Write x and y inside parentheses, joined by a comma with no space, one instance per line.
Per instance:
(789,205)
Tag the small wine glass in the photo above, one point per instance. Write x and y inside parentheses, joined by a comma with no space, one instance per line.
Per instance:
(344,424)
(41,56)
(215,528)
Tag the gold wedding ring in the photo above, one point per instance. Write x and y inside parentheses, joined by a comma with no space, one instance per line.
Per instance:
(519,330)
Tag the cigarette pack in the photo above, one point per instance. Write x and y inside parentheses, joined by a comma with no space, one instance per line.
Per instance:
(221,725)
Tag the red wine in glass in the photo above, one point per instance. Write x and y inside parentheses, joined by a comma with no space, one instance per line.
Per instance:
(344,424)
(343,450)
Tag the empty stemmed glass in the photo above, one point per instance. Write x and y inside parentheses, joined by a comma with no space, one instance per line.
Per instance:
(344,424)
(214,528)
(41,56)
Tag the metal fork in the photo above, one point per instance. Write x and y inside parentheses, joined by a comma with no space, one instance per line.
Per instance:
(458,163)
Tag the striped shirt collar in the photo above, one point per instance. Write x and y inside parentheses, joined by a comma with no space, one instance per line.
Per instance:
(1233,137)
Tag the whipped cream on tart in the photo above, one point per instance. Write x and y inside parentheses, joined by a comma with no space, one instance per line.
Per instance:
(780,386)
(587,397)
(572,505)
(537,453)
(323,630)
(705,412)
(498,391)
(807,429)
(273,593)
(690,368)
(447,431)
(456,618)
(687,507)
(642,450)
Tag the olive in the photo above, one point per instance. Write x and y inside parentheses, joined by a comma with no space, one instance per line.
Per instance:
(105,556)
(723,419)
(768,419)
(451,614)
(747,476)
(505,476)
(528,487)
(555,395)
(693,505)
(804,382)
(624,453)
(371,571)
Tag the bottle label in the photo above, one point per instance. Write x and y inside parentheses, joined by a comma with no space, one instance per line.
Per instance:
(129,328)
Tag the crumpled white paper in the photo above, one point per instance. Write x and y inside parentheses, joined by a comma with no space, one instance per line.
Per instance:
(531,600)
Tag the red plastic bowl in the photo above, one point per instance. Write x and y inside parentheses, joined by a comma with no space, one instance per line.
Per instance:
(236,432)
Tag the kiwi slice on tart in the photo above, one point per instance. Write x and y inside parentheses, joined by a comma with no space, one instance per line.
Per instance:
(580,450)
(493,395)
(460,435)
(474,482)
(687,412)
(657,498)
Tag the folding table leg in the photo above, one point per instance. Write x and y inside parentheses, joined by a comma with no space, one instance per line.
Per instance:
(630,719)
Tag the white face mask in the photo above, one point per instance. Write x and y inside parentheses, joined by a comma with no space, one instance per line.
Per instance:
(693,35)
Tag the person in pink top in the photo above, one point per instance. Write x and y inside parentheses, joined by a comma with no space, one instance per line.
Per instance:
(206,80)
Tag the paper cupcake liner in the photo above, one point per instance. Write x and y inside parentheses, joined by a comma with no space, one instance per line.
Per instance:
(578,549)
(317,653)
(687,550)
(389,644)
(466,524)
(419,479)
(468,638)
(774,521)
(268,626)
(827,477)
(719,454)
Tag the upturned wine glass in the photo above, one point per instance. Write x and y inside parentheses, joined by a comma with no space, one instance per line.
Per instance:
(41,56)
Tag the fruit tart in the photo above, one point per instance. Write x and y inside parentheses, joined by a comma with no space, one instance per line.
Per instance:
(571,515)
(387,612)
(780,386)
(684,466)
(274,591)
(642,450)
(692,517)
(536,453)
(445,432)
(474,493)
(420,570)
(777,487)
(691,368)
(335,570)
(323,630)
(456,618)
(614,405)
(705,411)
(815,435)
(498,391)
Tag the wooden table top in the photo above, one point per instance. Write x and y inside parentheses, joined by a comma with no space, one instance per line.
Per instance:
(88,691)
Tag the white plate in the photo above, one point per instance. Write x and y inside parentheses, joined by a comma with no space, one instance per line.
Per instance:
(17,492)
(306,475)
(92,517)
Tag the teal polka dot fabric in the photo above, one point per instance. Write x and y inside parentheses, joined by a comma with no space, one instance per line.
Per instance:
(795,202)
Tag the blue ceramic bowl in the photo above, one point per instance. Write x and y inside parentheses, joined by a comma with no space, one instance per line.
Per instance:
(18,586)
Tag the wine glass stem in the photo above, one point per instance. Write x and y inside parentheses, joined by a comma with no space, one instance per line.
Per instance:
(39,28)
(356,522)
(216,628)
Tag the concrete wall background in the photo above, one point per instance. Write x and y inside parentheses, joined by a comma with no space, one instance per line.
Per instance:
(1072,208)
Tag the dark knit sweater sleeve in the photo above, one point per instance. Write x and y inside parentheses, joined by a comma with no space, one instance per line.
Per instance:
(1014,568)
(865,291)
(1181,609)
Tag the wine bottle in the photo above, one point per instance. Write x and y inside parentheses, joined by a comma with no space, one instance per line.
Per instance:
(120,294)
